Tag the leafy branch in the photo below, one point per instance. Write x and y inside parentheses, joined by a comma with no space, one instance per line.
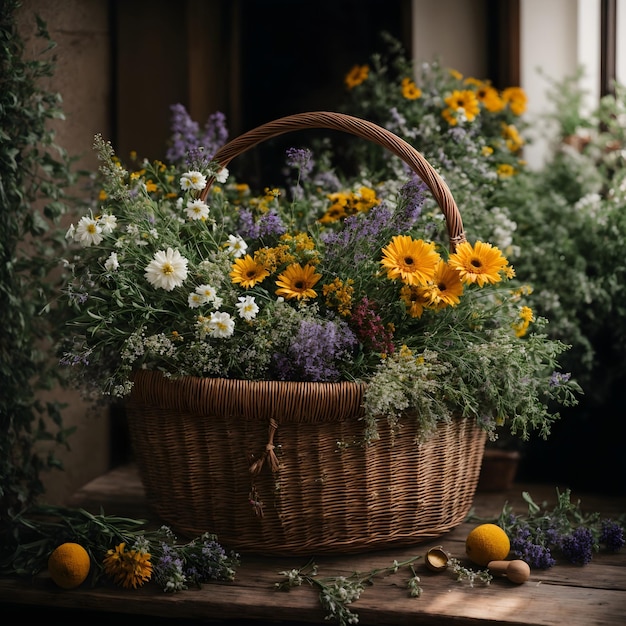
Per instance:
(336,593)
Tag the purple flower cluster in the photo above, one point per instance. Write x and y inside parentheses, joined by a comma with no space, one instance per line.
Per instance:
(194,563)
(301,159)
(557,379)
(534,550)
(359,235)
(190,144)
(537,540)
(612,535)
(268,224)
(315,351)
(411,199)
(578,546)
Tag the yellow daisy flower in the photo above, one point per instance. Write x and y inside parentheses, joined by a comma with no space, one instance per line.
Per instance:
(466,100)
(128,568)
(357,75)
(247,272)
(410,90)
(490,98)
(512,137)
(297,282)
(505,170)
(411,260)
(446,288)
(516,98)
(481,263)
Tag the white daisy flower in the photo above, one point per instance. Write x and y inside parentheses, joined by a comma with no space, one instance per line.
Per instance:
(197,210)
(112,263)
(221,325)
(192,180)
(168,269)
(247,307)
(88,232)
(237,246)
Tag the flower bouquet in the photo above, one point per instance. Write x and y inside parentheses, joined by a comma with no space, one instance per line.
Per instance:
(311,368)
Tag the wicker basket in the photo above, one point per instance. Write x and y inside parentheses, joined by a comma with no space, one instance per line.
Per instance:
(274,467)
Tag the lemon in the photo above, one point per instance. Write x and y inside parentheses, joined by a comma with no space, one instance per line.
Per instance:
(487,542)
(69,565)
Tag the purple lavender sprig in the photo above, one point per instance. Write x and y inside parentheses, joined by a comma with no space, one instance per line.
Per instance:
(189,144)
(565,531)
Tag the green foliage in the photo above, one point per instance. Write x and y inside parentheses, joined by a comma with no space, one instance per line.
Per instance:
(570,221)
(34,173)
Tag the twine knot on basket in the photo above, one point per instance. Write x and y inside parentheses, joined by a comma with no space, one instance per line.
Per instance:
(268,453)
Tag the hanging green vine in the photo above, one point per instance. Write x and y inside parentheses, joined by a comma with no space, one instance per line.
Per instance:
(35,175)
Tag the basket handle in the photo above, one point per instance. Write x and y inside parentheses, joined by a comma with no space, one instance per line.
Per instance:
(360,128)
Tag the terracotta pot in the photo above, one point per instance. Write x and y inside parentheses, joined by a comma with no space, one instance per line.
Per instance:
(498,469)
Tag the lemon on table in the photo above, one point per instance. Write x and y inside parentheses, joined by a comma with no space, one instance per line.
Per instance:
(487,542)
(69,565)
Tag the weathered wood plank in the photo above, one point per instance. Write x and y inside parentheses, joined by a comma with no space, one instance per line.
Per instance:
(564,594)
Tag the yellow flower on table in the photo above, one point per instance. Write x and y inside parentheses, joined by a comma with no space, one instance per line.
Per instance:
(128,568)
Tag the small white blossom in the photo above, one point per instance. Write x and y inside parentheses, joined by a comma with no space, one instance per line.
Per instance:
(208,292)
(222,175)
(197,210)
(195,300)
(167,270)
(112,263)
(108,223)
(192,180)
(71,231)
(247,307)
(88,232)
(236,246)
(221,325)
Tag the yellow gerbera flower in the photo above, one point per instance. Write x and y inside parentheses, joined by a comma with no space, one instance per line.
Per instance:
(411,260)
(357,75)
(410,90)
(297,282)
(446,288)
(481,263)
(247,272)
(466,100)
(128,568)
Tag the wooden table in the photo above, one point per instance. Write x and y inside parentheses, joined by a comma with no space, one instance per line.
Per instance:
(564,595)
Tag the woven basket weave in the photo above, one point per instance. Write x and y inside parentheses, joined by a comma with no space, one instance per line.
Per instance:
(274,467)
